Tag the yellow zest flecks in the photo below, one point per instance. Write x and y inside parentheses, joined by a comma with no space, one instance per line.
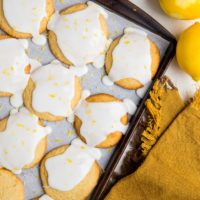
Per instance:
(145,67)
(67,27)
(84,147)
(52,96)
(94,122)
(109,150)
(20,125)
(43,48)
(11,68)
(57,140)
(31,114)
(68,160)
(117,32)
(127,42)
(23,142)
(5,152)
(62,1)
(56,84)
(88,112)
(6,72)
(34,131)
(70,132)
(15,169)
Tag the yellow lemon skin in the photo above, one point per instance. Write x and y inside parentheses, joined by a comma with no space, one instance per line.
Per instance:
(188,51)
(181,9)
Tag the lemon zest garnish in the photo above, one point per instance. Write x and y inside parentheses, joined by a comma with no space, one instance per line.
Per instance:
(70,132)
(69,160)
(126,42)
(84,147)
(58,140)
(88,111)
(6,72)
(20,125)
(52,95)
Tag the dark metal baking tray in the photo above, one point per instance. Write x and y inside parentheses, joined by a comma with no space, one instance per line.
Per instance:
(136,15)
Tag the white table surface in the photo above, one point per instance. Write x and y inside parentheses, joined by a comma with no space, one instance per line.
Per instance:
(182,81)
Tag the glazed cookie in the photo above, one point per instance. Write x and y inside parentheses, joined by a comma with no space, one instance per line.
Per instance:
(53,91)
(132,60)
(101,120)
(22,141)
(68,176)
(14,68)
(78,35)
(26,19)
(10,186)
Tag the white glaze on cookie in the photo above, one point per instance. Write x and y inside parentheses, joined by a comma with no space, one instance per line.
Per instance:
(142,91)
(106,81)
(19,140)
(45,197)
(80,36)
(130,106)
(68,169)
(100,119)
(131,57)
(25,16)
(84,95)
(55,89)
(13,60)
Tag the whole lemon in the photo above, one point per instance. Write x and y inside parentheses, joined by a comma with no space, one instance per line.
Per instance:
(181,9)
(188,51)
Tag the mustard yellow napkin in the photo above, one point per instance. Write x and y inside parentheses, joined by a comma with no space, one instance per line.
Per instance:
(171,171)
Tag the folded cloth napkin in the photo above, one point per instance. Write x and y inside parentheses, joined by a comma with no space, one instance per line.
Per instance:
(171,170)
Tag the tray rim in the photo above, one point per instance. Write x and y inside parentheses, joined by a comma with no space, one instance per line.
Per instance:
(133,13)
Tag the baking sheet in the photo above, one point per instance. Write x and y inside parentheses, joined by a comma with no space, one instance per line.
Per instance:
(63,131)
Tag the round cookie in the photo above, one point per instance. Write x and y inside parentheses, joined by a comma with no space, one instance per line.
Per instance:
(40,150)
(28,99)
(112,138)
(4,92)
(10,186)
(80,191)
(7,126)
(53,42)
(130,83)
(4,25)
